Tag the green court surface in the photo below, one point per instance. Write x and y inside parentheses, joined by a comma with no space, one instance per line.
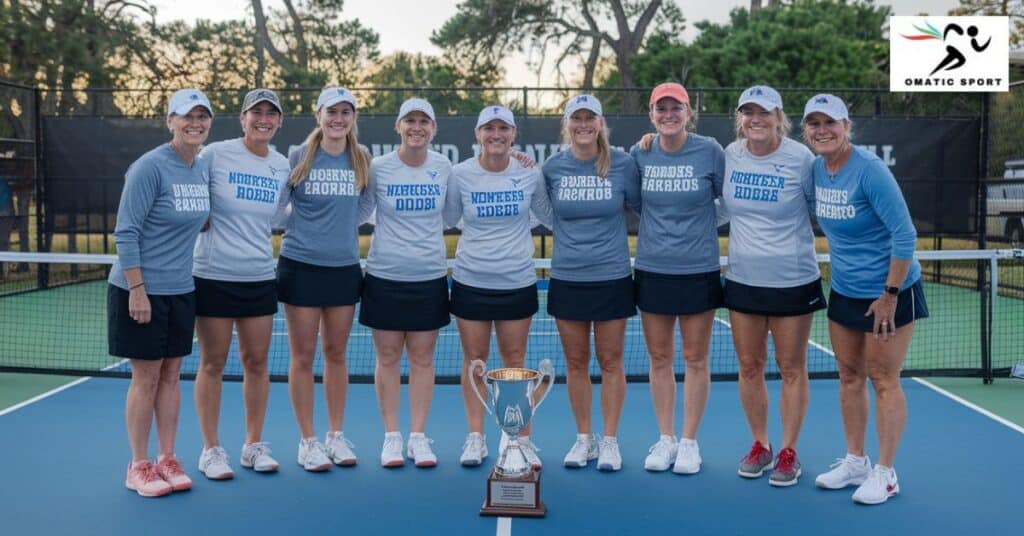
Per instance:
(1004,397)
(17,388)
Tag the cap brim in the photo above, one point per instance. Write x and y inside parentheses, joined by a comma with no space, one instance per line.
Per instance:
(766,104)
(272,103)
(185,109)
(338,100)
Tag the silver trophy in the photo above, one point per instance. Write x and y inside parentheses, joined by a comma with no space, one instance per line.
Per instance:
(514,394)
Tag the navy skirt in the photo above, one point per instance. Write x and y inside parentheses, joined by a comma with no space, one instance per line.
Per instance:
(404,305)
(310,285)
(770,301)
(667,294)
(229,299)
(474,303)
(849,312)
(592,301)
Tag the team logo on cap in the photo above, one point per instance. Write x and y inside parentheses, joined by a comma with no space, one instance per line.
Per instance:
(495,110)
(949,54)
(821,100)
(193,96)
(582,98)
(755,92)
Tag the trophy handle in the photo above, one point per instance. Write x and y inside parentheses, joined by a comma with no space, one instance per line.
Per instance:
(546,369)
(478,368)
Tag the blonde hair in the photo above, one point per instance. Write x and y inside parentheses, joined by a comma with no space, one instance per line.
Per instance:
(604,149)
(782,124)
(357,156)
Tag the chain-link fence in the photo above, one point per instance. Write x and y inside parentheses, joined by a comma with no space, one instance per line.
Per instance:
(18,152)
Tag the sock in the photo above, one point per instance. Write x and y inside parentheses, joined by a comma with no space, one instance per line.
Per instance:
(413,435)
(392,434)
(666,437)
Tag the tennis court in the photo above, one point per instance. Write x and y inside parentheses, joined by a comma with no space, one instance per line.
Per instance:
(64,455)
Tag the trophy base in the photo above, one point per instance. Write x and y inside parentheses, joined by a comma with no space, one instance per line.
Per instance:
(513,497)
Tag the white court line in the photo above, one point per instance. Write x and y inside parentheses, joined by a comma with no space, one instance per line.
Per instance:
(55,390)
(504,526)
(1011,425)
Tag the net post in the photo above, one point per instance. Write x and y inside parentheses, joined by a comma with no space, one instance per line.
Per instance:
(993,298)
(42,269)
(984,317)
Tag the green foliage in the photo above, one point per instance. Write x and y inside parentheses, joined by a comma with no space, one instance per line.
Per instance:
(1007,8)
(422,75)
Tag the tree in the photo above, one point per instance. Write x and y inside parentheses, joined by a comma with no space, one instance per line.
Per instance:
(432,78)
(486,31)
(1006,8)
(310,45)
(809,43)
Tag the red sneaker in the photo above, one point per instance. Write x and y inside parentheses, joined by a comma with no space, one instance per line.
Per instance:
(787,469)
(756,461)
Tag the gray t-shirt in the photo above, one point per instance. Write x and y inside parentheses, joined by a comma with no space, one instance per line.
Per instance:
(322,227)
(769,200)
(244,189)
(163,205)
(408,240)
(589,223)
(496,249)
(678,225)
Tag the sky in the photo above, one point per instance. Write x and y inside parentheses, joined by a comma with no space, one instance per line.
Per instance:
(412,32)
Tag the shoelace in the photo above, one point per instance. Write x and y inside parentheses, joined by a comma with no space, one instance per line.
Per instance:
(580,448)
(337,436)
(392,444)
(662,447)
(754,456)
(258,449)
(148,472)
(420,446)
(786,460)
(217,455)
(475,441)
(171,466)
(606,444)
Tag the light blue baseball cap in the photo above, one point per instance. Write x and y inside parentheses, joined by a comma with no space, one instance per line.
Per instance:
(416,105)
(498,112)
(583,102)
(763,96)
(183,100)
(334,95)
(829,105)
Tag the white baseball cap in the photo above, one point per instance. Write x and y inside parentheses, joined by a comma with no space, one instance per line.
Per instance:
(498,112)
(583,102)
(829,105)
(183,100)
(416,105)
(763,96)
(334,95)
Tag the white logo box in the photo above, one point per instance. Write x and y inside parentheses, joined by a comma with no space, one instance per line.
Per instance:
(949,54)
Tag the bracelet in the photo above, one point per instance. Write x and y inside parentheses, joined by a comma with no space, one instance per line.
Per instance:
(137,285)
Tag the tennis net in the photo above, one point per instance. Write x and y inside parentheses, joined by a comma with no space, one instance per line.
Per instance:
(53,320)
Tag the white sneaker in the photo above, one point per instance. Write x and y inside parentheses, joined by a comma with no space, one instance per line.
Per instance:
(419,451)
(391,452)
(687,458)
(339,449)
(661,454)
(879,486)
(313,455)
(609,458)
(474,450)
(256,456)
(583,450)
(848,471)
(530,450)
(213,463)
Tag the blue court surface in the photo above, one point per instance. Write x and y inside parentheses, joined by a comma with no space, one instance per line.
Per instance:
(62,462)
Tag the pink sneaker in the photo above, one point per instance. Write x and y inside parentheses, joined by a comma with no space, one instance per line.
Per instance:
(171,472)
(142,478)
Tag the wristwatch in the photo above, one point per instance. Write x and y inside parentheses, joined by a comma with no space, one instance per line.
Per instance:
(892,290)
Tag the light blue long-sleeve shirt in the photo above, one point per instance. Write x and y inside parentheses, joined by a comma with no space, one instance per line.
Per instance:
(865,218)
(589,224)
(163,205)
(678,228)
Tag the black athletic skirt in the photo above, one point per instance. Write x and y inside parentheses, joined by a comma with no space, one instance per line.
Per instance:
(591,301)
(169,332)
(229,299)
(769,301)
(849,312)
(474,303)
(310,285)
(667,294)
(404,306)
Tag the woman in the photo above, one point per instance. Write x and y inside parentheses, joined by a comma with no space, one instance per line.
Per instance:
(318,274)
(151,298)
(236,288)
(772,283)
(405,291)
(589,185)
(494,283)
(677,269)
(875,298)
